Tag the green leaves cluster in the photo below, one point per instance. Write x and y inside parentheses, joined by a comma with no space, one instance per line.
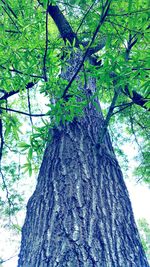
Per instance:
(12,126)
(144,229)
(35,147)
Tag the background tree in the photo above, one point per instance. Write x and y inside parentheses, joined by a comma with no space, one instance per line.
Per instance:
(145,235)
(77,214)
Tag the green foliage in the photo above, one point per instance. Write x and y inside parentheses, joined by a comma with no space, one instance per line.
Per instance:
(12,126)
(144,229)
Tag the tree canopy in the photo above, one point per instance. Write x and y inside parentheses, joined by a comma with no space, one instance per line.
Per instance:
(35,46)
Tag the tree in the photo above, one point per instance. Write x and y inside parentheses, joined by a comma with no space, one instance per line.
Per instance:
(80,213)
(145,235)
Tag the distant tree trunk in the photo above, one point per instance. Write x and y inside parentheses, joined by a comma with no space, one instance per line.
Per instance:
(80,214)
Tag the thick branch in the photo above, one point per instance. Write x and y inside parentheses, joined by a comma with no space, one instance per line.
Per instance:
(137,98)
(101,44)
(102,19)
(67,32)
(62,25)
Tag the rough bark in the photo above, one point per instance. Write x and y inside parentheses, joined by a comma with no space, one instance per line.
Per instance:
(80,214)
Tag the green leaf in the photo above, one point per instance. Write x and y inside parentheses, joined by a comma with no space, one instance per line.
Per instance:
(30,153)
(24,146)
(7,130)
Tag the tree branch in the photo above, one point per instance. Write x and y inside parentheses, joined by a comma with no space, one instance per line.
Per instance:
(137,98)
(131,42)
(93,50)
(66,31)
(85,15)
(124,27)
(2,261)
(130,13)
(14,23)
(20,72)
(109,115)
(29,107)
(123,108)
(23,113)
(10,9)
(11,93)
(63,25)
(102,19)
(11,31)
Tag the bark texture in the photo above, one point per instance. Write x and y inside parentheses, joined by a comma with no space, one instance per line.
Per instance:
(80,214)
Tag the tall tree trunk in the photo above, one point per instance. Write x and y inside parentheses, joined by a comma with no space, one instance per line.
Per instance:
(80,213)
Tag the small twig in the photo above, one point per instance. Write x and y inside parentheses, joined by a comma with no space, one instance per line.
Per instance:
(140,68)
(67,4)
(24,113)
(2,261)
(124,27)
(123,108)
(29,107)
(14,23)
(141,126)
(20,72)
(10,31)
(133,132)
(109,115)
(122,105)
(10,9)
(130,13)
(86,92)
(11,149)
(117,32)
(87,12)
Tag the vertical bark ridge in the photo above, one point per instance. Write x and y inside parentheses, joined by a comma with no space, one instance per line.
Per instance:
(80,214)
